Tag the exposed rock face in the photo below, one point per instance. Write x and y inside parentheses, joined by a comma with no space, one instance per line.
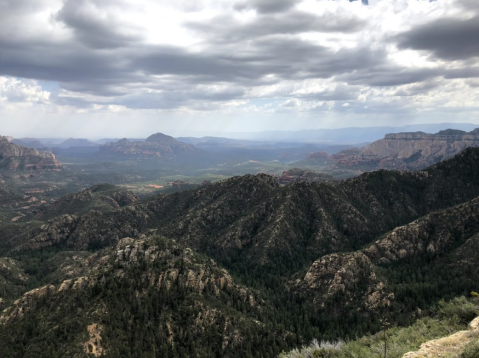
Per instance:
(12,269)
(186,286)
(196,277)
(156,146)
(16,157)
(89,231)
(409,150)
(443,236)
(25,303)
(93,346)
(431,235)
(52,233)
(350,277)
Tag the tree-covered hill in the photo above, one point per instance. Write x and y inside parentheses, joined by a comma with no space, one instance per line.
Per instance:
(301,261)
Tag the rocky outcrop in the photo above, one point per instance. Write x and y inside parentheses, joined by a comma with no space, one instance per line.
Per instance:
(16,157)
(443,237)
(186,294)
(155,146)
(93,346)
(431,235)
(184,270)
(347,278)
(90,231)
(51,233)
(406,151)
(24,304)
(11,270)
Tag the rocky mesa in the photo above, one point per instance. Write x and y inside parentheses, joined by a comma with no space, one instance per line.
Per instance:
(409,151)
(16,157)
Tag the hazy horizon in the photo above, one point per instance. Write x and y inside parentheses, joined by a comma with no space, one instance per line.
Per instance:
(350,135)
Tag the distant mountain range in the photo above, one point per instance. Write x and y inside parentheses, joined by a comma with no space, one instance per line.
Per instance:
(77,142)
(414,150)
(349,135)
(29,143)
(157,145)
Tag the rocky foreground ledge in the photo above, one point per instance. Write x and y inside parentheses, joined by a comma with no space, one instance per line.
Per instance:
(450,346)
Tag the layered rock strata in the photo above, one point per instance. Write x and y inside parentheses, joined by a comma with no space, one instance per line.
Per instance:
(15,157)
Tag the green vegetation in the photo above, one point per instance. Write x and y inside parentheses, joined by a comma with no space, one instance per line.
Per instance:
(145,310)
(267,237)
(471,350)
(447,318)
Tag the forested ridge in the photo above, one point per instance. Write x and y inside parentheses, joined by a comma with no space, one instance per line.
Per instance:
(242,268)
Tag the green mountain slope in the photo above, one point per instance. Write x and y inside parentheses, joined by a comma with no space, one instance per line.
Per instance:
(148,298)
(301,261)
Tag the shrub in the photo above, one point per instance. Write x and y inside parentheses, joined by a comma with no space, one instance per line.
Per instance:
(315,350)
(471,350)
(460,307)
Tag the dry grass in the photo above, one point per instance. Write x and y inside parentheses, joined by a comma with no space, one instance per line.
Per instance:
(450,347)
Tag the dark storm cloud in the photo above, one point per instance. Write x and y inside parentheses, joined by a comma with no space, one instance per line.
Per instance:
(266,6)
(473,83)
(383,76)
(348,62)
(448,39)
(285,58)
(111,62)
(101,56)
(94,25)
(472,5)
(225,29)
(70,65)
(21,6)
(116,73)
(466,72)
(388,76)
(107,61)
(175,99)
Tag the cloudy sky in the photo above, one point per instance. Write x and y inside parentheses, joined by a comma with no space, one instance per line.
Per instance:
(115,68)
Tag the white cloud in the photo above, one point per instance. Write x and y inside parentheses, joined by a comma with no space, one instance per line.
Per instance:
(267,61)
(23,92)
